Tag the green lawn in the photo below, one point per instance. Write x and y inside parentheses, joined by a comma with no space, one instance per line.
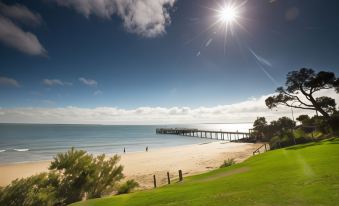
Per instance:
(300,175)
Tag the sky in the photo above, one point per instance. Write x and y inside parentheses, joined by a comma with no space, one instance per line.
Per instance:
(157,61)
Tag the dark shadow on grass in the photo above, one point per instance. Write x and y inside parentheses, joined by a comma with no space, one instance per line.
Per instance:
(296,147)
(333,141)
(328,141)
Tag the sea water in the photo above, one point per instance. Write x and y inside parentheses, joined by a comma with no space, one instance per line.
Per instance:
(35,142)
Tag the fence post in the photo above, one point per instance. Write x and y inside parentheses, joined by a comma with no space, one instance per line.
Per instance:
(180,176)
(155,181)
(168,178)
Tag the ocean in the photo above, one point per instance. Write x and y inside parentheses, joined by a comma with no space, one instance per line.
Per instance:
(36,142)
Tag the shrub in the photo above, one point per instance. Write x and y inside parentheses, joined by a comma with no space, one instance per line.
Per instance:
(228,162)
(334,122)
(127,187)
(81,173)
(35,190)
(72,175)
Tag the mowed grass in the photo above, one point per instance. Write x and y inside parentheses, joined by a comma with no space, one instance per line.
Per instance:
(301,175)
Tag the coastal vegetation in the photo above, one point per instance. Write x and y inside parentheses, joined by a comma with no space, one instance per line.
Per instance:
(127,187)
(301,89)
(228,162)
(73,176)
(304,174)
(301,92)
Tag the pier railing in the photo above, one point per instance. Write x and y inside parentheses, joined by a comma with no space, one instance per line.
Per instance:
(209,134)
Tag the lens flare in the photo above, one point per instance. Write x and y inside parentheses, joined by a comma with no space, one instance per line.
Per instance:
(228,14)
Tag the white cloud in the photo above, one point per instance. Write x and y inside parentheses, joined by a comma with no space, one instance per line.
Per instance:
(21,14)
(8,82)
(55,82)
(147,18)
(89,82)
(246,111)
(15,37)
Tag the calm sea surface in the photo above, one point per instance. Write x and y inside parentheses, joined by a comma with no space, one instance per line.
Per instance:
(34,142)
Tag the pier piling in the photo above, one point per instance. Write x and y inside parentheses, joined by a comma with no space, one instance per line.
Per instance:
(208,134)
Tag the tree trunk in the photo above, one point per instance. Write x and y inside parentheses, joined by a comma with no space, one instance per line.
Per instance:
(318,108)
(314,103)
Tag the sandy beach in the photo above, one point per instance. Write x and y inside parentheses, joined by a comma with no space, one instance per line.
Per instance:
(141,166)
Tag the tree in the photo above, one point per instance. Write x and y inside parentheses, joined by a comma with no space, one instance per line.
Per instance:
(304,119)
(281,128)
(285,124)
(306,83)
(260,126)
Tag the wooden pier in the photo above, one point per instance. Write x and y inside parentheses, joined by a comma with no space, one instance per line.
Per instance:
(209,134)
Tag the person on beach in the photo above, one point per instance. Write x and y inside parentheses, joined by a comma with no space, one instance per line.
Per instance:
(147,149)
(124,150)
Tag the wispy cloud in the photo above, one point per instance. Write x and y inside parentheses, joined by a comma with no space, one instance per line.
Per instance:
(55,82)
(14,36)
(20,14)
(147,18)
(246,111)
(8,82)
(88,82)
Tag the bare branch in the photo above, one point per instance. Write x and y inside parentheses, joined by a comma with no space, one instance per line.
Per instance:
(297,107)
(296,97)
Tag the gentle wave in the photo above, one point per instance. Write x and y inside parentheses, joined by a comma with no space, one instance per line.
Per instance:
(21,150)
(2,150)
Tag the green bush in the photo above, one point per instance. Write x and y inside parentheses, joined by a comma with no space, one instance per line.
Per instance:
(73,175)
(35,190)
(127,187)
(228,162)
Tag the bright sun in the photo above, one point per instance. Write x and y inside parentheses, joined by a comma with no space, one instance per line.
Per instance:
(228,14)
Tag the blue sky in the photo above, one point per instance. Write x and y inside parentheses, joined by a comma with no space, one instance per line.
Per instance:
(126,56)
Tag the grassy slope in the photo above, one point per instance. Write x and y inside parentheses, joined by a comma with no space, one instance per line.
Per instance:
(300,175)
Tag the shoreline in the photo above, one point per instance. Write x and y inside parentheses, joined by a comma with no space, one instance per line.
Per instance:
(141,166)
(107,154)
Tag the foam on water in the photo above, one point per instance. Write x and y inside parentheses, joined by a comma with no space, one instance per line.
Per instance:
(21,150)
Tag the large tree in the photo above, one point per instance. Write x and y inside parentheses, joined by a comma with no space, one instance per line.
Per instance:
(306,83)
(260,127)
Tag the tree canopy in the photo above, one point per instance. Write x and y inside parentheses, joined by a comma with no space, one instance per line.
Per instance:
(306,83)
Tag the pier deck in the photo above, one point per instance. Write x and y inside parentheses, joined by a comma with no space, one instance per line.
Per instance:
(218,135)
